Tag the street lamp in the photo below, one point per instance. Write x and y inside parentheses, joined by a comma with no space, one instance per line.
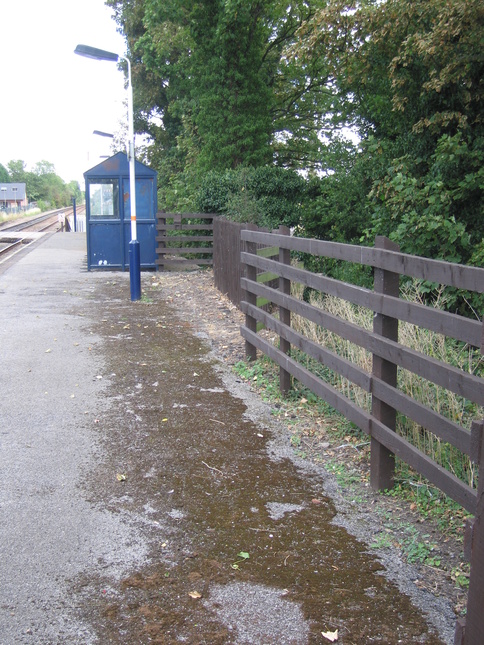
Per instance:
(100,133)
(134,250)
(107,135)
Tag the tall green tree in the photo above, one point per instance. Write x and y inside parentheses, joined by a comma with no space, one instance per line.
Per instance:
(17,171)
(215,89)
(4,176)
(410,75)
(43,184)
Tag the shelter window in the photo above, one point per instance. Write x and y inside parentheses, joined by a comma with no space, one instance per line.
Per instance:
(104,199)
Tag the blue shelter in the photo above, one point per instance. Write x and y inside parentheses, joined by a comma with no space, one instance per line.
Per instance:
(108,214)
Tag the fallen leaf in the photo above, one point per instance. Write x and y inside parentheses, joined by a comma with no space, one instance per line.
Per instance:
(331,636)
(195,594)
(244,555)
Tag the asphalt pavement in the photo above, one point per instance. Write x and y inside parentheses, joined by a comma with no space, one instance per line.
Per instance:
(142,501)
(49,393)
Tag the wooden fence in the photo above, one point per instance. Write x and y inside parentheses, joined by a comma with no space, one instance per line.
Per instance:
(388,355)
(227,267)
(228,270)
(181,235)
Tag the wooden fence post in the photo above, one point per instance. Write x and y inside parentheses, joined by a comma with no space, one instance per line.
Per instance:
(284,314)
(251,298)
(470,630)
(161,241)
(382,460)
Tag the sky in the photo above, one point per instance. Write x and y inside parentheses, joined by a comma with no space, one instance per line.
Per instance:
(50,99)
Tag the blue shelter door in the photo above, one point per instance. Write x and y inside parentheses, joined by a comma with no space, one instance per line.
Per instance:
(105,247)
(145,220)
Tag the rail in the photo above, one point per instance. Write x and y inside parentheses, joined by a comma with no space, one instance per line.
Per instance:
(17,226)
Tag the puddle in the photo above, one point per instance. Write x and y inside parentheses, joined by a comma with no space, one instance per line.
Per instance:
(195,456)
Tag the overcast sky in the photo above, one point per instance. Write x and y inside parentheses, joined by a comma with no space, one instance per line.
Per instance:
(50,99)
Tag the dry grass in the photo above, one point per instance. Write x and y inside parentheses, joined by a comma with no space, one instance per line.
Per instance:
(429,343)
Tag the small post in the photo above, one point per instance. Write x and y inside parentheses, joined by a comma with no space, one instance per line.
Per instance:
(162,242)
(74,215)
(251,298)
(469,631)
(284,315)
(382,467)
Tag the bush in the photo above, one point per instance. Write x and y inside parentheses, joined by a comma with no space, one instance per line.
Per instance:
(267,196)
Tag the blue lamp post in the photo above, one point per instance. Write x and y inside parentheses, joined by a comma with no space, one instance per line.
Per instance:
(134,250)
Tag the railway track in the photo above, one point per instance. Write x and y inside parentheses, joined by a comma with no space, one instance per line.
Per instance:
(28,231)
(36,224)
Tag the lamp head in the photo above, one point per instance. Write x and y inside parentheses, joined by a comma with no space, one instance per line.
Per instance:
(97,54)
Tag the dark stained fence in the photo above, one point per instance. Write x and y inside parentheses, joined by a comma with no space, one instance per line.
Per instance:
(184,239)
(388,355)
(227,266)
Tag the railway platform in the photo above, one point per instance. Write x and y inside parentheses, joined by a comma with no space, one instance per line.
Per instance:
(147,496)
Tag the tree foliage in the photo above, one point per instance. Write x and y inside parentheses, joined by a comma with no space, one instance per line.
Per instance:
(267,196)
(4,176)
(43,184)
(215,89)
(225,88)
(410,73)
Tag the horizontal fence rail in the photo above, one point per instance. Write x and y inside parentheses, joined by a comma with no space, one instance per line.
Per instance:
(388,357)
(183,239)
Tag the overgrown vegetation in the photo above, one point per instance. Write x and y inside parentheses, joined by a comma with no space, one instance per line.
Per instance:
(245,84)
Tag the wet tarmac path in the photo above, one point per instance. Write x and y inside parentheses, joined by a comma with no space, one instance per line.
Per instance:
(242,548)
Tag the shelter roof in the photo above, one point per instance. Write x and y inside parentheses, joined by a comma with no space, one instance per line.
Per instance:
(118,165)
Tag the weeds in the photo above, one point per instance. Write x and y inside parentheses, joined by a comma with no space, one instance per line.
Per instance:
(432,344)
